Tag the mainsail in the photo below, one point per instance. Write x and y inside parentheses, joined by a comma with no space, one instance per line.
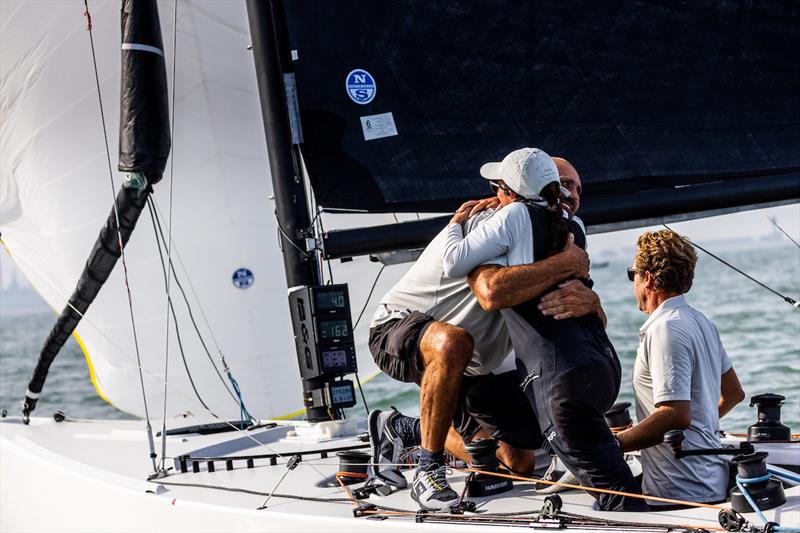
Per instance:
(665,108)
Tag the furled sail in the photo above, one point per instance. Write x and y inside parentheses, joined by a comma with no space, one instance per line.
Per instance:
(144,147)
(665,107)
(55,193)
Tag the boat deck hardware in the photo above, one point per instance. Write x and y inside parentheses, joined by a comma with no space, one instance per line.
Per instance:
(675,437)
(214,427)
(769,427)
(291,465)
(552,506)
(182,461)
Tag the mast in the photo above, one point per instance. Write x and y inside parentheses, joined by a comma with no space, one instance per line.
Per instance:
(275,78)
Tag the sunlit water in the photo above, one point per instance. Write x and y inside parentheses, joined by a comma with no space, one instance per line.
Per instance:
(760,332)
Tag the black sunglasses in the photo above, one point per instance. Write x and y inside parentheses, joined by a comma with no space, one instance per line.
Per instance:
(495,185)
(632,273)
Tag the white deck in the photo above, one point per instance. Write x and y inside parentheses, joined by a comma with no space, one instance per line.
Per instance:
(91,476)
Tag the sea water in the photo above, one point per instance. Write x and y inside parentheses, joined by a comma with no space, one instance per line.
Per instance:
(760,332)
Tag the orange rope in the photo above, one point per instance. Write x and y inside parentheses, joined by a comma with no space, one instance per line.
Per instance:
(357,475)
(592,489)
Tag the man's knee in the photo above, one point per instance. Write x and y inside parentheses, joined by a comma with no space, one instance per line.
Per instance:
(520,461)
(447,345)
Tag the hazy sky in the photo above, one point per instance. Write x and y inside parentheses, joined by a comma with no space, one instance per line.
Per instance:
(752,224)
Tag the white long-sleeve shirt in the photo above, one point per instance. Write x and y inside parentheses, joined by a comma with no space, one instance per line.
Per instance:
(427,289)
(506,239)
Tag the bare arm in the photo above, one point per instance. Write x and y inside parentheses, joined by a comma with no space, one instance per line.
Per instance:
(498,287)
(731,392)
(650,431)
(572,299)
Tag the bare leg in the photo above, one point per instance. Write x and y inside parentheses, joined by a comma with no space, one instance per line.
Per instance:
(519,460)
(455,445)
(445,351)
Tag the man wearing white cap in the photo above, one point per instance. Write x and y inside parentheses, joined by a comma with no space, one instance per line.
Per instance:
(430,329)
(567,368)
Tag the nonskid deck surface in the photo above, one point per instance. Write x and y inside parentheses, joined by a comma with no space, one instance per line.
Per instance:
(118,451)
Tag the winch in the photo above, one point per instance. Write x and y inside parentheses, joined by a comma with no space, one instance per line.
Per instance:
(769,427)
(483,456)
(764,490)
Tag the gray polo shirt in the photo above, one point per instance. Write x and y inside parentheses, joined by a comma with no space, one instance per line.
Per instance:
(680,357)
(427,289)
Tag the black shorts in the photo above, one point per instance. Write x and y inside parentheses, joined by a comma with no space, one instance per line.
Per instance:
(395,346)
(496,403)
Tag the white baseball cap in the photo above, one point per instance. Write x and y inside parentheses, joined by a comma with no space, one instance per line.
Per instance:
(526,172)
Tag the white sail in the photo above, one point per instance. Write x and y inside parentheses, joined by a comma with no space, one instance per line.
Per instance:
(55,194)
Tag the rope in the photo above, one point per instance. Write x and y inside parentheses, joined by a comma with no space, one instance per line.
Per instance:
(592,489)
(775,223)
(119,238)
(366,302)
(361,390)
(244,414)
(742,482)
(751,278)
(171,308)
(791,477)
(168,278)
(189,307)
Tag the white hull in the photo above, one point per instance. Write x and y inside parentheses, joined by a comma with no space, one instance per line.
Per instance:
(90,476)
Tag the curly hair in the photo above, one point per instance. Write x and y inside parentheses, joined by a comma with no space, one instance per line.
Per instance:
(670,259)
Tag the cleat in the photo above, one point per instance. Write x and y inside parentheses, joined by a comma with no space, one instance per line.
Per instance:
(387,449)
(431,490)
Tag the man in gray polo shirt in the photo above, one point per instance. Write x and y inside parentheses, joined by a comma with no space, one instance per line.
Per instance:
(682,377)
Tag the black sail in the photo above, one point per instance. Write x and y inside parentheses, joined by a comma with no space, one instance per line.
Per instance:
(664,107)
(144,142)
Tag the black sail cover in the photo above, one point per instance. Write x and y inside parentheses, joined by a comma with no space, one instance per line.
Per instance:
(144,143)
(664,107)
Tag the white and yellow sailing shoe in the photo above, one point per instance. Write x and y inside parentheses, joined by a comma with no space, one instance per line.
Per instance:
(431,490)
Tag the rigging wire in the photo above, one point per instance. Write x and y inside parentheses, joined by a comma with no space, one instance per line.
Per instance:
(151,442)
(776,293)
(366,302)
(775,223)
(189,306)
(167,277)
(191,286)
(322,232)
(280,228)
(171,308)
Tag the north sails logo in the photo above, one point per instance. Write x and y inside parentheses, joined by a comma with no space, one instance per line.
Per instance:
(243,278)
(360,86)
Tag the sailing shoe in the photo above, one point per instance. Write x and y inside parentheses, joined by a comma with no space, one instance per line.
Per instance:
(555,472)
(387,448)
(431,490)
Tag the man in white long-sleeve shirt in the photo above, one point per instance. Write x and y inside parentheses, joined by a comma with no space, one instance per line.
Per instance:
(430,329)
(567,368)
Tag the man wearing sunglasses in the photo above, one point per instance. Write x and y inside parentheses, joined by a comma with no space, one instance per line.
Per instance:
(430,329)
(682,377)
